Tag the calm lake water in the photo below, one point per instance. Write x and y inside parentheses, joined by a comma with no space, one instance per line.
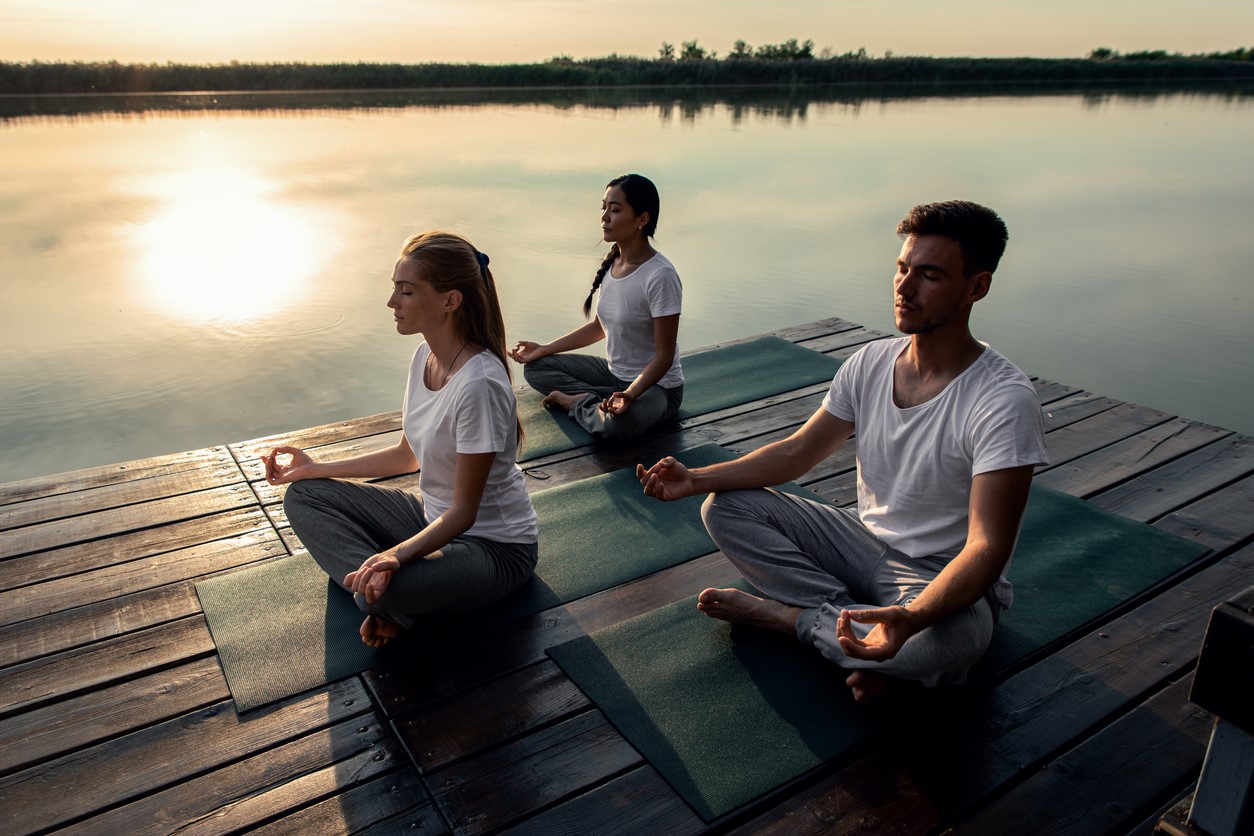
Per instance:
(179,274)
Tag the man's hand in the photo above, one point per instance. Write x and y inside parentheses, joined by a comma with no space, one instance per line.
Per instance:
(893,625)
(372,578)
(668,479)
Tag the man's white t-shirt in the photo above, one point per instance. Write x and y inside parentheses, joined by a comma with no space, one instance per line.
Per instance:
(915,464)
(627,308)
(473,413)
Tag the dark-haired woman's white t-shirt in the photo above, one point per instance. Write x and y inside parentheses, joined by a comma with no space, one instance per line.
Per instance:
(627,308)
(473,413)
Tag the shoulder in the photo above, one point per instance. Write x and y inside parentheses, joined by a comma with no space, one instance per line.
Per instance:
(875,355)
(998,379)
(659,268)
(483,376)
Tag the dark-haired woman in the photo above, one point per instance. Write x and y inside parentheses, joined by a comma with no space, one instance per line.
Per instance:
(641,382)
(469,538)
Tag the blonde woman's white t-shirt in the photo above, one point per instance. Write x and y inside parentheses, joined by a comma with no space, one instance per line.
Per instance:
(473,413)
(627,308)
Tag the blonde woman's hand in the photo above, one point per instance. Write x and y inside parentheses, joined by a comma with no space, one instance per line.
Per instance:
(299,465)
(374,575)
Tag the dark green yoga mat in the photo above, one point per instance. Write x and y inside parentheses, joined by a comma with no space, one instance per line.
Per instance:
(282,627)
(713,380)
(727,713)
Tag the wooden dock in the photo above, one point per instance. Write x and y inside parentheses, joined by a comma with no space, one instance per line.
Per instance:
(115,716)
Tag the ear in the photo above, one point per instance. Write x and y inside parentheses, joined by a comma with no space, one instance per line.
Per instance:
(642,220)
(979,286)
(452,301)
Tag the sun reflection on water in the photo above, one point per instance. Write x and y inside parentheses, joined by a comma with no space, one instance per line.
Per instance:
(223,247)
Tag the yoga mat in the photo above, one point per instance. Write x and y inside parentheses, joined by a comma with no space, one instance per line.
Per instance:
(283,627)
(713,380)
(725,715)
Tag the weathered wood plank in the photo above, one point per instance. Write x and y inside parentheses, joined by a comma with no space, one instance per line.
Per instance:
(635,803)
(211,475)
(1108,427)
(1126,768)
(53,633)
(506,784)
(1220,520)
(121,770)
(1085,475)
(95,526)
(338,432)
(84,557)
(446,730)
(851,338)
(138,575)
(1076,407)
(64,726)
(27,686)
(78,481)
(397,803)
(274,782)
(1164,489)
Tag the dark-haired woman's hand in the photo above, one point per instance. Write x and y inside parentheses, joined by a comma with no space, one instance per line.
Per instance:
(617,403)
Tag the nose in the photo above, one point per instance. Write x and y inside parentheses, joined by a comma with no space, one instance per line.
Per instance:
(392,301)
(905,284)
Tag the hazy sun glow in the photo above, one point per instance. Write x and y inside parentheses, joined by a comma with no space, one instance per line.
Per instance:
(223,248)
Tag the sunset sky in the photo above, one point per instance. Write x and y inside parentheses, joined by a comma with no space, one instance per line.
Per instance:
(508,31)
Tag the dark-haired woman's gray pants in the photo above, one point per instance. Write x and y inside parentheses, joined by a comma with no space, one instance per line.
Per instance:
(575,373)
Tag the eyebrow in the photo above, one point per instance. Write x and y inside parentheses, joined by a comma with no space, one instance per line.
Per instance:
(925,266)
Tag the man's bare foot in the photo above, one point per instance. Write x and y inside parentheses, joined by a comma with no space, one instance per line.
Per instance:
(740,607)
(377,631)
(564,401)
(867,685)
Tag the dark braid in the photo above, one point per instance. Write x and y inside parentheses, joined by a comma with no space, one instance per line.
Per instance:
(600,276)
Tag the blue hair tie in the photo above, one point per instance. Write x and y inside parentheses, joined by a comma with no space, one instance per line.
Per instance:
(483,260)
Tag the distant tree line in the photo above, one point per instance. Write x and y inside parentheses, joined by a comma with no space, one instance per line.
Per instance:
(789,62)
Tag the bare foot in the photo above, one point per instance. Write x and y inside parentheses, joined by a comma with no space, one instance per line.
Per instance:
(563,400)
(740,607)
(867,685)
(377,631)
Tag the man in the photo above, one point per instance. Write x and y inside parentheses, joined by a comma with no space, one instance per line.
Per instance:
(948,434)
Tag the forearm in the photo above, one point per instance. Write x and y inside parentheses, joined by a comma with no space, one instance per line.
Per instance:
(966,579)
(445,528)
(581,337)
(651,374)
(381,463)
(773,464)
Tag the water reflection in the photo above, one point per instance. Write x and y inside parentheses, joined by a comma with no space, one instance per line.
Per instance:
(221,247)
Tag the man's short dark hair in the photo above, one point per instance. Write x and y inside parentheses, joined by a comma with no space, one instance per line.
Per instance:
(980,233)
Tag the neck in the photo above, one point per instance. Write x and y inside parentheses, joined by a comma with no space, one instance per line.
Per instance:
(944,352)
(635,250)
(444,343)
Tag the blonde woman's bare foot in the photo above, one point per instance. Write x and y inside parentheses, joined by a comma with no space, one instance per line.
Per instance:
(867,685)
(740,607)
(564,401)
(377,631)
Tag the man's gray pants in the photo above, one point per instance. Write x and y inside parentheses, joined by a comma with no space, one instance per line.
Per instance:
(823,559)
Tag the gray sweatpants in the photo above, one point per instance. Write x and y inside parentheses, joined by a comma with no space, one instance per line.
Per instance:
(823,559)
(574,373)
(343,523)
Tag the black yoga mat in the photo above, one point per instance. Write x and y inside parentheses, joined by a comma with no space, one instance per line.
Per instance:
(713,380)
(727,713)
